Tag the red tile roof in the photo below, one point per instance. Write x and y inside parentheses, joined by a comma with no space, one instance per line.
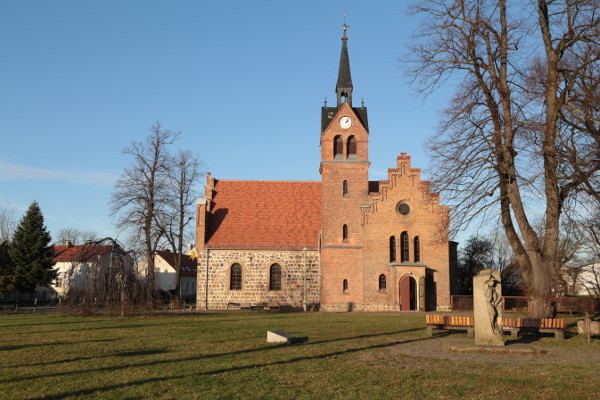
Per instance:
(265,215)
(74,253)
(188,264)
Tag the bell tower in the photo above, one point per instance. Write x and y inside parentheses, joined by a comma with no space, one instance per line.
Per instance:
(344,181)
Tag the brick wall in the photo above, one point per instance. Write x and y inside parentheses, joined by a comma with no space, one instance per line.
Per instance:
(427,219)
(255,278)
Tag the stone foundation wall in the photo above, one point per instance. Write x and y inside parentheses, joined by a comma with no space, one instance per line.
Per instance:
(255,278)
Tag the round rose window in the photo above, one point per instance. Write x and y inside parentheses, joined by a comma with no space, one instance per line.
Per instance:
(403,208)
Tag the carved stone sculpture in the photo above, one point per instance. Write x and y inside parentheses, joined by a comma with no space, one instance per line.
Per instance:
(487,307)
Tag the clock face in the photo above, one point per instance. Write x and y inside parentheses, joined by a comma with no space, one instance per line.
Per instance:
(345,122)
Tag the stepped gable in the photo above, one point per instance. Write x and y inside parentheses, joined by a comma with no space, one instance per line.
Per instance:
(378,190)
(264,215)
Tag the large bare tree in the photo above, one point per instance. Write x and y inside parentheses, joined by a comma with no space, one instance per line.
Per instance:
(519,137)
(179,211)
(141,194)
(8,224)
(75,236)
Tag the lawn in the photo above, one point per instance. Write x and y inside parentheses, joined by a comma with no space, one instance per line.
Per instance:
(225,355)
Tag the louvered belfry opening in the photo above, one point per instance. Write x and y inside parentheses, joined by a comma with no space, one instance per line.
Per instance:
(338,147)
(352,148)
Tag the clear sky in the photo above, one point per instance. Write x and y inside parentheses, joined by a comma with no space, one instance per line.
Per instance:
(242,80)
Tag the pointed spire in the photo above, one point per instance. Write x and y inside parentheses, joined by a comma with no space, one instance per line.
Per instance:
(343,88)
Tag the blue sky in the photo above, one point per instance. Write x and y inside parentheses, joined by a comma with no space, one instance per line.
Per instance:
(243,81)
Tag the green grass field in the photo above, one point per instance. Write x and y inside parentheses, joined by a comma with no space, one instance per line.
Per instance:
(225,355)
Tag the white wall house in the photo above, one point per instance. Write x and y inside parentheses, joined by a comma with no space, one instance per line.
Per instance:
(75,264)
(166,273)
(589,280)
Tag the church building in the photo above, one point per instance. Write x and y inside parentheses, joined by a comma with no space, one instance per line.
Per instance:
(343,243)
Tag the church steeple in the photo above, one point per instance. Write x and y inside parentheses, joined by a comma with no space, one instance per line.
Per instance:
(343,88)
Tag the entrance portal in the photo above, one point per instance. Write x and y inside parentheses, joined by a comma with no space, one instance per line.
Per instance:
(408,295)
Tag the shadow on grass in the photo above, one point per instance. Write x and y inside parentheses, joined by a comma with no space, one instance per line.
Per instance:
(24,346)
(123,354)
(51,323)
(95,390)
(95,328)
(206,356)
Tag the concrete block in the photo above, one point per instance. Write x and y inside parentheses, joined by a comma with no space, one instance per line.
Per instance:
(275,336)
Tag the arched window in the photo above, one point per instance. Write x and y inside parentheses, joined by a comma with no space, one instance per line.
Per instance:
(338,147)
(345,188)
(417,248)
(392,248)
(345,286)
(404,247)
(351,147)
(382,282)
(235,279)
(275,277)
(345,233)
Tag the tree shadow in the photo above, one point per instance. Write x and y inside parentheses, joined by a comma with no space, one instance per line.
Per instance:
(25,346)
(202,357)
(51,323)
(122,354)
(90,391)
(94,328)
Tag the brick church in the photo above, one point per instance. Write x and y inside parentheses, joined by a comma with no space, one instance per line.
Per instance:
(343,243)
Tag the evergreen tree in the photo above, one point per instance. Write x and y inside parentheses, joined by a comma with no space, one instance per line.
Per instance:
(477,255)
(6,269)
(30,251)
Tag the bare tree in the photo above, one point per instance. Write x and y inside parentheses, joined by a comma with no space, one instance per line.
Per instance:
(179,211)
(8,224)
(75,236)
(67,235)
(141,194)
(503,143)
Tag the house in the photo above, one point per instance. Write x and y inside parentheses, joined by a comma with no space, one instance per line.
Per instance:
(342,243)
(78,265)
(165,264)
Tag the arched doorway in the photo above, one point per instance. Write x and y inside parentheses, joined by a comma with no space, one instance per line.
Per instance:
(408,293)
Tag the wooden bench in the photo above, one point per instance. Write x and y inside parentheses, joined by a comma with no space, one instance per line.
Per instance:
(510,324)
(545,325)
(449,322)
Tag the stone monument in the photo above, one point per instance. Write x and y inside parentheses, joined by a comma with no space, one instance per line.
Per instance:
(487,307)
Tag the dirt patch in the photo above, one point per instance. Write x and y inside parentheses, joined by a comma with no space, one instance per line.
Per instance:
(439,347)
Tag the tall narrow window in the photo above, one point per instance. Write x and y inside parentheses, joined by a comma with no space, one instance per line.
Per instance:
(345,233)
(338,147)
(235,279)
(392,248)
(404,247)
(344,188)
(382,282)
(417,248)
(275,277)
(345,286)
(351,147)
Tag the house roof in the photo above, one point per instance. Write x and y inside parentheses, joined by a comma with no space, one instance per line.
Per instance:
(265,215)
(189,265)
(74,253)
